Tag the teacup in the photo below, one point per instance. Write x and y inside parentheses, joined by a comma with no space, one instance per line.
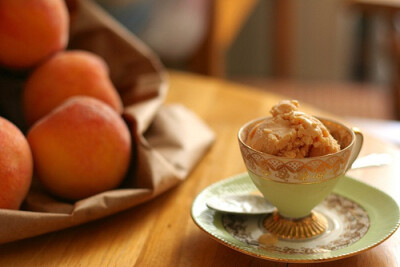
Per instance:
(296,186)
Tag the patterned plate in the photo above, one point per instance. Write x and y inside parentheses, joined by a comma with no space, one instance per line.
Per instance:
(359,217)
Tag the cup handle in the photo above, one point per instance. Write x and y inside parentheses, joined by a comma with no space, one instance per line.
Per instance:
(357,146)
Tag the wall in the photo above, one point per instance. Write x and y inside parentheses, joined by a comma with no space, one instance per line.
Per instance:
(324,38)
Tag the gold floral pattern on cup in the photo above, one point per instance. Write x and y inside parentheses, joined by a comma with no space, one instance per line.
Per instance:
(295,170)
(300,170)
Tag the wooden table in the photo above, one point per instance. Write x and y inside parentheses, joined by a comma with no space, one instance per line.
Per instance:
(161,231)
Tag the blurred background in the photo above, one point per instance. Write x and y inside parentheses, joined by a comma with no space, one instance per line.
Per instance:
(339,55)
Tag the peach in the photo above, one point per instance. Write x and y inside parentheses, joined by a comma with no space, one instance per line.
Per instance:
(31,31)
(67,74)
(81,148)
(15,166)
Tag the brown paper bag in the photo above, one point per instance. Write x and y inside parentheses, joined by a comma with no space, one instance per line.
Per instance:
(170,139)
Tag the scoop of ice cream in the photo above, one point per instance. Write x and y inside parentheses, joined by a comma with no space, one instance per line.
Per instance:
(291,133)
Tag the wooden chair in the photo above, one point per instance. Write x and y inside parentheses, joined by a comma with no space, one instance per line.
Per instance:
(226,20)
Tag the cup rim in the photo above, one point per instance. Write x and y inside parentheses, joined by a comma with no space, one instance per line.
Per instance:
(243,127)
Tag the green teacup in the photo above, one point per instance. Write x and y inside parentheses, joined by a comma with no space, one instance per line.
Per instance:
(296,186)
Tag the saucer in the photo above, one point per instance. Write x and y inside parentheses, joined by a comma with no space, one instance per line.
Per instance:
(359,217)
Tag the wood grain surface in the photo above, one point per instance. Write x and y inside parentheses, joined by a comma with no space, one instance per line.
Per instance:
(161,231)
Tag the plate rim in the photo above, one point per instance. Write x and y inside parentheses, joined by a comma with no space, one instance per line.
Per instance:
(347,178)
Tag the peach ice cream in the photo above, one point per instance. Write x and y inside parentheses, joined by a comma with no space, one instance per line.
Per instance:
(291,133)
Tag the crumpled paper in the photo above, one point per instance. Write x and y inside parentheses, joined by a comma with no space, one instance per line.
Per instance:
(169,139)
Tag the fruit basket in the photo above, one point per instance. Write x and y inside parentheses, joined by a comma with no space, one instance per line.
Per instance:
(142,83)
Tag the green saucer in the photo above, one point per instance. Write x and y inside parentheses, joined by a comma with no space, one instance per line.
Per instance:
(360,217)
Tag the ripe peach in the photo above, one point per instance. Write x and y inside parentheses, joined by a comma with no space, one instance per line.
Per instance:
(31,30)
(15,166)
(81,148)
(66,74)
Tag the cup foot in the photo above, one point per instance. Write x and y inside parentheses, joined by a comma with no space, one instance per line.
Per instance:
(296,229)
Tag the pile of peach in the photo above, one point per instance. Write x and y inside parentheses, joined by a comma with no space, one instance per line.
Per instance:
(77,144)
